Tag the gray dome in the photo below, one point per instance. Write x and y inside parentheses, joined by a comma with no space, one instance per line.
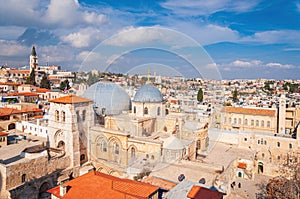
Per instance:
(109,98)
(148,93)
(173,143)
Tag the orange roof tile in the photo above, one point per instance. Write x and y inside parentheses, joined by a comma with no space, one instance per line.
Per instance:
(198,192)
(99,185)
(162,183)
(27,94)
(242,165)
(10,111)
(3,134)
(42,90)
(19,71)
(70,99)
(10,83)
(250,111)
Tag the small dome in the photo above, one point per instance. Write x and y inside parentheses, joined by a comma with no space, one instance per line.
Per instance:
(109,98)
(148,93)
(173,143)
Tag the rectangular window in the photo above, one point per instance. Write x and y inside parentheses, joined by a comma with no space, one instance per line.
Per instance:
(83,115)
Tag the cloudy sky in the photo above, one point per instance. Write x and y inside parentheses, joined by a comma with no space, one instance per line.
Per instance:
(245,39)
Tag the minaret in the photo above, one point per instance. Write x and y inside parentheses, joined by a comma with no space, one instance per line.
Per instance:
(281,114)
(33,59)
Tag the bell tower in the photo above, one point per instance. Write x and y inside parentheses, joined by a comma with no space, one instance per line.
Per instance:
(281,114)
(33,60)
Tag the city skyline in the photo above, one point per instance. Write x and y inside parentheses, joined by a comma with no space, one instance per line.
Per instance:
(256,39)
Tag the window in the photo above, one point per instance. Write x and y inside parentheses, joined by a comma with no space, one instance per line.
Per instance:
(278,157)
(290,146)
(258,141)
(134,109)
(246,122)
(63,116)
(225,120)
(56,116)
(234,120)
(262,141)
(262,123)
(132,152)
(82,157)
(83,115)
(78,117)
(268,124)
(23,177)
(278,144)
(104,146)
(262,155)
(252,122)
(158,111)
(146,111)
(230,120)
(256,123)
(117,150)
(265,142)
(240,120)
(245,139)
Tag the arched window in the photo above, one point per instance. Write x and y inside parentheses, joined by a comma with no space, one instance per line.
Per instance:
(240,120)
(158,111)
(234,120)
(82,157)
(246,122)
(24,177)
(256,123)
(134,109)
(132,152)
(146,111)
(278,144)
(83,115)
(258,141)
(78,116)
(117,149)
(262,123)
(268,124)
(252,122)
(56,116)
(198,144)
(103,146)
(290,146)
(63,116)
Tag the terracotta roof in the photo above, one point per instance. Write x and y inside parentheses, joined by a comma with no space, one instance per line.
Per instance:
(250,111)
(3,134)
(162,183)
(42,90)
(70,99)
(99,185)
(26,94)
(10,83)
(198,192)
(19,71)
(10,111)
(242,165)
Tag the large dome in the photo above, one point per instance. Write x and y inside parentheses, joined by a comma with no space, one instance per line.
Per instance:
(109,98)
(148,93)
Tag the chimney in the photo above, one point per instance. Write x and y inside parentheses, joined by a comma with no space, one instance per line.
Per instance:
(62,189)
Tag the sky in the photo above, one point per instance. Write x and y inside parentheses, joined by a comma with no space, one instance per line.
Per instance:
(241,39)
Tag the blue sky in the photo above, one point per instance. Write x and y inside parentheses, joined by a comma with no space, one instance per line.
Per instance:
(245,39)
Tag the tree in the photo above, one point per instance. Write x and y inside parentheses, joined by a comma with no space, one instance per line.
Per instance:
(64,85)
(200,95)
(45,83)
(235,96)
(31,78)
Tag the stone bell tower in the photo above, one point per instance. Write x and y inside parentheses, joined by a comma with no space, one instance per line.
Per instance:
(33,60)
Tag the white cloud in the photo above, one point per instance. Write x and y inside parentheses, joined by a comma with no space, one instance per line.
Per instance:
(12,48)
(94,18)
(203,7)
(83,38)
(279,65)
(275,36)
(240,63)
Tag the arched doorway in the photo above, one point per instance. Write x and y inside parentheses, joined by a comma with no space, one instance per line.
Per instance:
(43,194)
(61,145)
(11,126)
(260,167)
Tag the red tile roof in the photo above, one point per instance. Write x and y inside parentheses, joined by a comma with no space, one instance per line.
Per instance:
(42,90)
(70,99)
(10,83)
(3,134)
(162,183)
(250,111)
(26,94)
(11,111)
(242,165)
(198,192)
(98,185)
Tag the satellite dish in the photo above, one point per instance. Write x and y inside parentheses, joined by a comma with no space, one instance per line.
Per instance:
(181,177)
(202,181)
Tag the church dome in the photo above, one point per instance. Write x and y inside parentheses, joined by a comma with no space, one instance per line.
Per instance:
(173,143)
(148,93)
(109,98)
